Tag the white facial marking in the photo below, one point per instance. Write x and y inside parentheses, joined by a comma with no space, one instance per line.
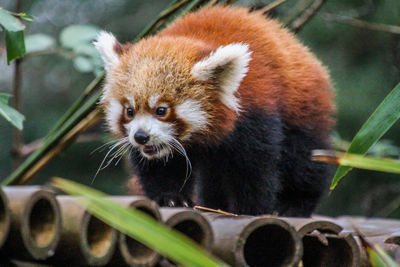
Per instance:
(113,114)
(233,59)
(105,43)
(153,101)
(192,112)
(159,132)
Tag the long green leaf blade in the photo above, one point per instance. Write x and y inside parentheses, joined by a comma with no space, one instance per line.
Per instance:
(357,161)
(369,163)
(376,255)
(140,226)
(387,113)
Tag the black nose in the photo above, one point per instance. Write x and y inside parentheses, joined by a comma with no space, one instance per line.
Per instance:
(141,137)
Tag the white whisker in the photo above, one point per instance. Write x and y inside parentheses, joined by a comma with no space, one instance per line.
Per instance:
(181,150)
(124,142)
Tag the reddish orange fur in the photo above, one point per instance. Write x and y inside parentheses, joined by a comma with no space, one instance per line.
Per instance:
(282,74)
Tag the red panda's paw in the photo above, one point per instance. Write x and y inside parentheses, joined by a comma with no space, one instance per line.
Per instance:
(174,200)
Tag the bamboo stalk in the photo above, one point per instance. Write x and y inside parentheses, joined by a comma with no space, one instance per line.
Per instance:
(190,223)
(130,251)
(85,240)
(254,241)
(54,143)
(324,244)
(35,225)
(5,218)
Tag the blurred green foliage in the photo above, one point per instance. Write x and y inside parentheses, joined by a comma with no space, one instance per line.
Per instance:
(364,65)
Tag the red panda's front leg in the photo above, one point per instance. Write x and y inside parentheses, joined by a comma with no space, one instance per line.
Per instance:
(169,183)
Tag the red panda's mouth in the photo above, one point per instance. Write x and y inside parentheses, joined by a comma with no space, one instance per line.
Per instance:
(150,150)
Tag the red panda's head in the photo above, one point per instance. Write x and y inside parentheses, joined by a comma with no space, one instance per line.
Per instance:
(167,90)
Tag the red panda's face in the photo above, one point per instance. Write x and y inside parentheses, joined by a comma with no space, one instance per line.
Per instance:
(161,96)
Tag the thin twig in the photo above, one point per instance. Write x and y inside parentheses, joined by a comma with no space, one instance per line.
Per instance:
(272,6)
(296,11)
(308,14)
(18,139)
(83,125)
(28,149)
(363,24)
(213,210)
(57,51)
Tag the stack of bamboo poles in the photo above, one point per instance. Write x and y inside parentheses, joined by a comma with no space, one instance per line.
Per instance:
(37,225)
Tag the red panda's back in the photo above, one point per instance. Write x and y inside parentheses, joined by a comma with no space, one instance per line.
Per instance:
(283,75)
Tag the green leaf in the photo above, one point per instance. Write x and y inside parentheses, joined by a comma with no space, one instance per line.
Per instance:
(82,64)
(15,45)
(90,61)
(387,113)
(14,31)
(87,49)
(76,35)
(376,255)
(26,17)
(9,22)
(369,163)
(140,226)
(10,114)
(39,42)
(4,98)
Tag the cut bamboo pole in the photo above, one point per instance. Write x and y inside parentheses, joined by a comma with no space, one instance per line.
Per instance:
(324,245)
(130,251)
(382,232)
(190,223)
(85,240)
(35,224)
(5,218)
(255,241)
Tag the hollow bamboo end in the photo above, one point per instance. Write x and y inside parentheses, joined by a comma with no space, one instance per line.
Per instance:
(133,252)
(98,240)
(339,251)
(41,225)
(190,223)
(5,218)
(324,245)
(268,242)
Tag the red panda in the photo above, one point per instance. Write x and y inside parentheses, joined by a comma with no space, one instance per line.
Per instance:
(231,94)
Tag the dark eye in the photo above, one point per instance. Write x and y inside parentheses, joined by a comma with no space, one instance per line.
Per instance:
(161,111)
(129,112)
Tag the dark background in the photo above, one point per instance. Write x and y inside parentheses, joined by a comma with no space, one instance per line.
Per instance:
(364,67)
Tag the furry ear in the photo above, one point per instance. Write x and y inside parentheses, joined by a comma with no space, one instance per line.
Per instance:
(228,65)
(108,47)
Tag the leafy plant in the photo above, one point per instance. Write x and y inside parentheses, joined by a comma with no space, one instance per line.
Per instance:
(381,120)
(78,39)
(14,35)
(140,226)
(39,42)
(10,114)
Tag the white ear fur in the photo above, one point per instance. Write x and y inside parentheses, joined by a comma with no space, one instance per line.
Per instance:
(105,43)
(228,64)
